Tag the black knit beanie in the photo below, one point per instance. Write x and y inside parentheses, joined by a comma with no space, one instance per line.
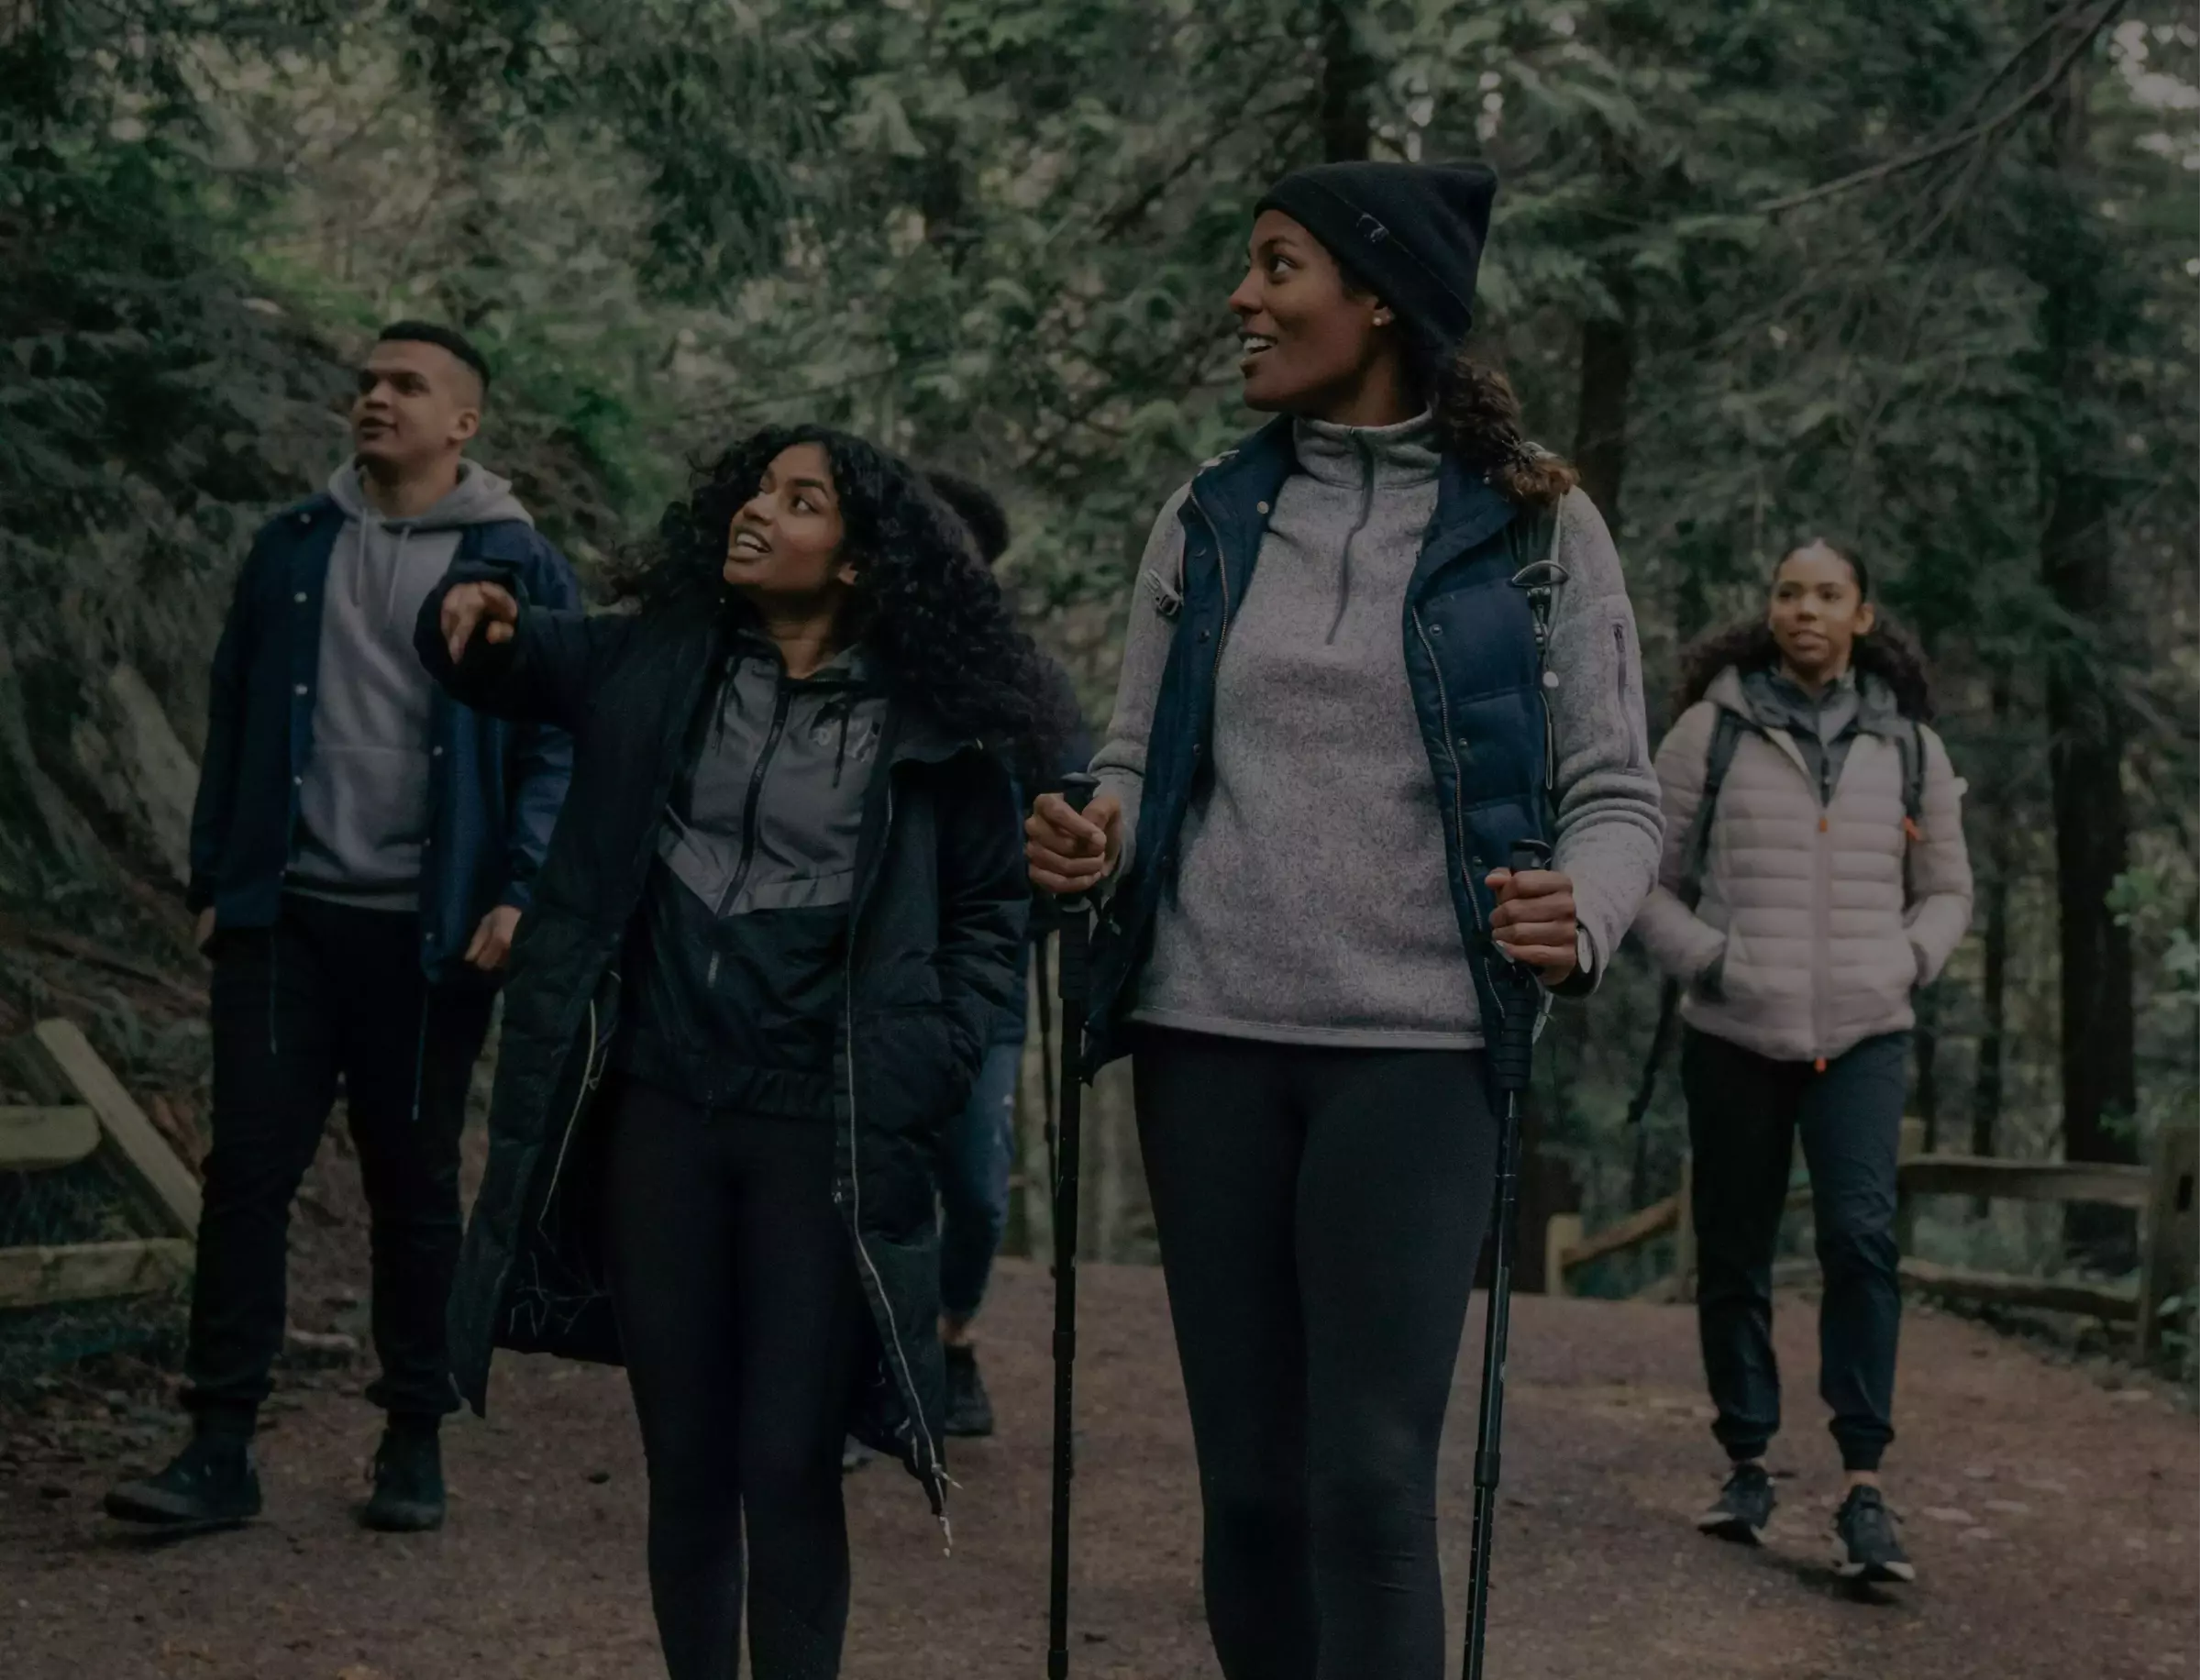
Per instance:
(1413,231)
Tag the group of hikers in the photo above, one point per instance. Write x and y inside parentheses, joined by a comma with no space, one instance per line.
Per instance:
(753,858)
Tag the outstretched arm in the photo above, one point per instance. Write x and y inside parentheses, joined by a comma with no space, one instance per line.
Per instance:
(494,651)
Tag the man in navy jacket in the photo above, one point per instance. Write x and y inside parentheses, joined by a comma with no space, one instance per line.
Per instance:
(361,852)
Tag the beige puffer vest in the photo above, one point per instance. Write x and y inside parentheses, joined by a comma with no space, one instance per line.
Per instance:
(1803,943)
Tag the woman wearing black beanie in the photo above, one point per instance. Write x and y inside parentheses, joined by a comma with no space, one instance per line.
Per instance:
(1373,648)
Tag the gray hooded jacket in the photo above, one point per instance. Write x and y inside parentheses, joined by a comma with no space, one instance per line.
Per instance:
(363,797)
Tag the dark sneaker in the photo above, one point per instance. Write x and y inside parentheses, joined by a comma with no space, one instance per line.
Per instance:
(214,1483)
(1869,1550)
(1745,1506)
(969,1407)
(855,1456)
(408,1483)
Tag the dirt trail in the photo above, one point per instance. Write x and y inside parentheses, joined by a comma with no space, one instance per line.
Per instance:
(2057,1525)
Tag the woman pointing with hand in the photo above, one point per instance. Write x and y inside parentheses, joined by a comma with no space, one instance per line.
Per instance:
(1372,648)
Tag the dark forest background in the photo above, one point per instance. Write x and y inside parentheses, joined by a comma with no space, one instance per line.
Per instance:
(1920,274)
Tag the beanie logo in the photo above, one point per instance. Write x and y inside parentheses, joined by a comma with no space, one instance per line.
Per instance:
(1373,231)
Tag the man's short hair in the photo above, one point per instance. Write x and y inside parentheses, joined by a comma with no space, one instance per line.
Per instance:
(977,508)
(444,338)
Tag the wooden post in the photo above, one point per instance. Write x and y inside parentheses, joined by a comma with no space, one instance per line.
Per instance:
(1684,1240)
(2171,1264)
(1562,1232)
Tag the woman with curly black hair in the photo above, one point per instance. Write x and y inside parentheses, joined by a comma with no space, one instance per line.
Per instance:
(1814,877)
(776,926)
(1374,648)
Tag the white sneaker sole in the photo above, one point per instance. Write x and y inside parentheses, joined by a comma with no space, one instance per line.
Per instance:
(1724,1525)
(1848,1569)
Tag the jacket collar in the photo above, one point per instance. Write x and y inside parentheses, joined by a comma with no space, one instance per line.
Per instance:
(1876,711)
(1238,487)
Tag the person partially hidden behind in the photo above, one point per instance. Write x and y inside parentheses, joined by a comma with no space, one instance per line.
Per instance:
(361,852)
(981,1144)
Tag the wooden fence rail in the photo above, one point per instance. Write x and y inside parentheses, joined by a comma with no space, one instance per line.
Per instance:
(2162,1193)
(82,1113)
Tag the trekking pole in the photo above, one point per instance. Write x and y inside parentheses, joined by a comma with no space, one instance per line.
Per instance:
(1075,993)
(1512,1059)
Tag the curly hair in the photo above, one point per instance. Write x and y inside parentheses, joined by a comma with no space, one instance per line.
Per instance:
(1888,652)
(925,606)
(1477,413)
(977,507)
(1478,418)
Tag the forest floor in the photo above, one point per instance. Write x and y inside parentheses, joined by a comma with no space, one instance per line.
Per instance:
(2055,1519)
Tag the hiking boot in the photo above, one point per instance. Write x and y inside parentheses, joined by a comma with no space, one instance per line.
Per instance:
(1745,1506)
(214,1483)
(969,1407)
(408,1483)
(1868,1549)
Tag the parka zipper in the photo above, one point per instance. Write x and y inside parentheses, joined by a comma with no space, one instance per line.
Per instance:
(932,1468)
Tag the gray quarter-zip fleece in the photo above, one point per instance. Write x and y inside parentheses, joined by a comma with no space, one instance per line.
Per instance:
(1311,902)
(363,796)
(1316,738)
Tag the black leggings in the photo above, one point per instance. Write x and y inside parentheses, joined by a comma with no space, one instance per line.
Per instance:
(1321,1213)
(743,1329)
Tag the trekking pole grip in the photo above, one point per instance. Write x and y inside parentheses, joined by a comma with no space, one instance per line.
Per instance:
(1514,1047)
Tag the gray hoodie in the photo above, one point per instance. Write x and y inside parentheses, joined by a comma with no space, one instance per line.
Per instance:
(1312,904)
(363,799)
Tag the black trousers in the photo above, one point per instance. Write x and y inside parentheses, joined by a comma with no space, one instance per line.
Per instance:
(745,1332)
(1321,1213)
(1744,1111)
(330,994)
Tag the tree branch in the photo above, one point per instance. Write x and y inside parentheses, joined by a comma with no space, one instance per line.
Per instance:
(2085,37)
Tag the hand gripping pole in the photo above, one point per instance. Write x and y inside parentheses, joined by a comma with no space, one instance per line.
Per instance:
(1512,1062)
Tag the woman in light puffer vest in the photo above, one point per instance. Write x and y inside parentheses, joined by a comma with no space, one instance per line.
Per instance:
(1834,882)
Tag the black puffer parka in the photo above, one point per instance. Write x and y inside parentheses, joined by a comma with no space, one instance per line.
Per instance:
(934,951)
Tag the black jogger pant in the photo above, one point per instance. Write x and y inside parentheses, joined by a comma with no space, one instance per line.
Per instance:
(1321,1213)
(330,993)
(1744,1111)
(745,1332)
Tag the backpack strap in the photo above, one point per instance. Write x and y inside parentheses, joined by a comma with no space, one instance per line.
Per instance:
(1911,746)
(1726,739)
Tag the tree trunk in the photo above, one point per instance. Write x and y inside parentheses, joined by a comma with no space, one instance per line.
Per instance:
(1986,1089)
(2086,717)
(1347,120)
(1608,373)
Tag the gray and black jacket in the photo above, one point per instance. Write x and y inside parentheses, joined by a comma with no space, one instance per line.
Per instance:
(935,910)
(734,963)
